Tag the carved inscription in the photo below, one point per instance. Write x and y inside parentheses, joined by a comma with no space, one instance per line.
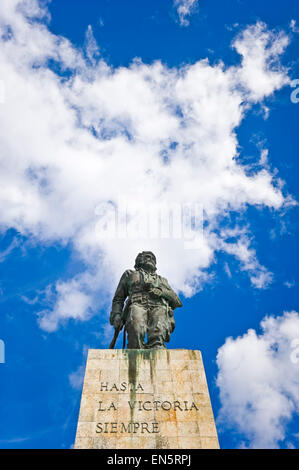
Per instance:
(133,427)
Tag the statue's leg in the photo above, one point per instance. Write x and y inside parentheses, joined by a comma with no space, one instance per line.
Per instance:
(136,326)
(158,327)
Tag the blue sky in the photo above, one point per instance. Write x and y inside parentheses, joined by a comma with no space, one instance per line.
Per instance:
(115,101)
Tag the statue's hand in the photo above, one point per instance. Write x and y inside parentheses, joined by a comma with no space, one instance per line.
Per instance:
(147,286)
(117,321)
(156,292)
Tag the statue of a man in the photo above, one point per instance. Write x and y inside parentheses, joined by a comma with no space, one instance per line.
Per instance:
(149,307)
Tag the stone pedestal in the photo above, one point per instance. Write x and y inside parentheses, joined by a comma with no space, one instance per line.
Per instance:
(145,399)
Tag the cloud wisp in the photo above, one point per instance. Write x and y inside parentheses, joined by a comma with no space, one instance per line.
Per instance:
(185,8)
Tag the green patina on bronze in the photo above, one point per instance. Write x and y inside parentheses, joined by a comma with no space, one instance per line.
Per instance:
(131,355)
(168,358)
(192,354)
(135,356)
(152,372)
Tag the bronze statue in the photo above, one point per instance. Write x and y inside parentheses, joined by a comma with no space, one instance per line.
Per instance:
(149,307)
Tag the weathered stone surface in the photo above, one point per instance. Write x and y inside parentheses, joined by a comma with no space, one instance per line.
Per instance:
(145,399)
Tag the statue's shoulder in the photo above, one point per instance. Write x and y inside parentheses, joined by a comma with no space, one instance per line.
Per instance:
(128,273)
(163,280)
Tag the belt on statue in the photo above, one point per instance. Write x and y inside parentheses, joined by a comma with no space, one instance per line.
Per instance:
(145,298)
(139,297)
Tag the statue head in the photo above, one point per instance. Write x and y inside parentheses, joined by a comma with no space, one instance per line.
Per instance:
(146,260)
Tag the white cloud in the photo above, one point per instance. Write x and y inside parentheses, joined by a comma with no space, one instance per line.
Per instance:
(259,381)
(29,301)
(260,50)
(91,46)
(184,9)
(71,300)
(239,247)
(98,135)
(293,26)
(5,253)
(76,378)
(264,157)
(289,284)
(227,270)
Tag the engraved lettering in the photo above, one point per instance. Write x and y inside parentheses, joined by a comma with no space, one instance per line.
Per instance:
(129,428)
(177,405)
(100,428)
(113,427)
(147,409)
(155,427)
(166,407)
(135,427)
(112,406)
(104,386)
(144,426)
(193,406)
(123,427)
(100,406)
(123,387)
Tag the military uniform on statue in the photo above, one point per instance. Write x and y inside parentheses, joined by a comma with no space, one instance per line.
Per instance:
(150,305)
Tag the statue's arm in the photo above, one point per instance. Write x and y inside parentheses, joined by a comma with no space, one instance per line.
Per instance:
(169,295)
(119,298)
